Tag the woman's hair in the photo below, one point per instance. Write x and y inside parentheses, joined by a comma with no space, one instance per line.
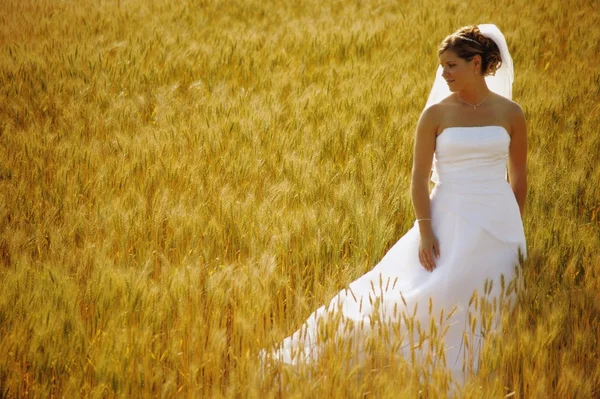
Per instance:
(467,42)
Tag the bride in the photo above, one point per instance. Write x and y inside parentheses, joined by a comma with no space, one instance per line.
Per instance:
(468,235)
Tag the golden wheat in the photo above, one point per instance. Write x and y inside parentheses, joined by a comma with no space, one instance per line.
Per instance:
(182,183)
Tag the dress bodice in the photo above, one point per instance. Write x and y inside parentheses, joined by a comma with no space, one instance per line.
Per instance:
(469,171)
(469,157)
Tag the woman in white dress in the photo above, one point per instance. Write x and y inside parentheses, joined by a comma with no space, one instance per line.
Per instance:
(468,231)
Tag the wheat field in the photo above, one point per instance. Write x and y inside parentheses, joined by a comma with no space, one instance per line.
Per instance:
(182,183)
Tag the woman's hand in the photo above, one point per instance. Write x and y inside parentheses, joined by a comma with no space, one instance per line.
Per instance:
(429,250)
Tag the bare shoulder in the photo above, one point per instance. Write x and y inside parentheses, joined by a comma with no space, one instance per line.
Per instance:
(512,114)
(429,119)
(511,106)
(516,118)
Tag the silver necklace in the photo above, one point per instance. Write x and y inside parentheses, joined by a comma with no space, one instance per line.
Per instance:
(474,106)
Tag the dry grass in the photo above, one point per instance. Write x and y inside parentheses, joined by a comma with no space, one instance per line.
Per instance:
(182,183)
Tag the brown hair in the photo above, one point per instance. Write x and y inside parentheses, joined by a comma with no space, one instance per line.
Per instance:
(467,42)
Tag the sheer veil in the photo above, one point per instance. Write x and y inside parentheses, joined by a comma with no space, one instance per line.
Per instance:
(500,83)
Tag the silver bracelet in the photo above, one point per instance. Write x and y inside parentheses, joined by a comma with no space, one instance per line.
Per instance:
(418,220)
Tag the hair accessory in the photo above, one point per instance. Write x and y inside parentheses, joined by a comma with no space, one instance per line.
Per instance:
(469,39)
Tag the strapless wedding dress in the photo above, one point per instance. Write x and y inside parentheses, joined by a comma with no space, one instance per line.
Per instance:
(476,218)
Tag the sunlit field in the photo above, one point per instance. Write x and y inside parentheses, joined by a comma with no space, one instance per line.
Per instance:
(183,182)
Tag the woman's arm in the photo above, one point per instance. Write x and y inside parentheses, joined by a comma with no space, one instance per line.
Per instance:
(517,157)
(423,156)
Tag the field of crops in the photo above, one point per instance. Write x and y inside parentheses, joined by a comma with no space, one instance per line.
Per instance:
(183,182)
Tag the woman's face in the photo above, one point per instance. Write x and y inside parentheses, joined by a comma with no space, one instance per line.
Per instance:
(456,71)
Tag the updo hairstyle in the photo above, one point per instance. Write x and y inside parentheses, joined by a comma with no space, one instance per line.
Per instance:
(467,42)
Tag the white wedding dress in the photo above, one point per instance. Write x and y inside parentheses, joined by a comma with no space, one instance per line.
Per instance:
(477,221)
